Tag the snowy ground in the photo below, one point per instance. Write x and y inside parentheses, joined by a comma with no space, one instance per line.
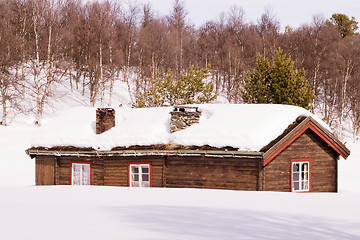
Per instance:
(124,213)
(69,212)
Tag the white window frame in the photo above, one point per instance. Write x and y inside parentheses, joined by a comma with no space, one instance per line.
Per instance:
(140,182)
(82,174)
(303,176)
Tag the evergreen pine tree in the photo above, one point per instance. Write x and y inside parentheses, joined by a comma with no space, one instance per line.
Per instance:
(256,87)
(189,88)
(277,83)
(343,24)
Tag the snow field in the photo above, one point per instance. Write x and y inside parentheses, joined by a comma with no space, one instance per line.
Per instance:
(67,212)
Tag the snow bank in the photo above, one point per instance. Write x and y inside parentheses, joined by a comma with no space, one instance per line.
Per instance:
(247,127)
(16,167)
(70,212)
(349,177)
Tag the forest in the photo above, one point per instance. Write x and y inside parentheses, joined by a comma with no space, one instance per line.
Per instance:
(92,43)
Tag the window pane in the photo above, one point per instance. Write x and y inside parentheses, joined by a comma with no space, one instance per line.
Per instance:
(296,167)
(295,176)
(296,186)
(145,169)
(135,184)
(145,184)
(135,169)
(76,178)
(304,167)
(86,178)
(86,168)
(305,185)
(76,167)
(145,177)
(136,177)
(306,176)
(76,174)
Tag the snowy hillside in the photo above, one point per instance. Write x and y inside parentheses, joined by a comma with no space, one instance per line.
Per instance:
(68,212)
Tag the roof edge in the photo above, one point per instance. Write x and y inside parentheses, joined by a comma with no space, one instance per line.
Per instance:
(95,153)
(308,123)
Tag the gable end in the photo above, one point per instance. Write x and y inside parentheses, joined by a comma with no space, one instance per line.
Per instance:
(308,123)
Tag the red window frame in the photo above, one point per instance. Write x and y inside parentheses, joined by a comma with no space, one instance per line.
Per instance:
(138,163)
(291,174)
(71,170)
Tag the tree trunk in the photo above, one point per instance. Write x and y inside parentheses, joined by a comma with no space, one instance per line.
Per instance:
(101,80)
(4,107)
(112,76)
(343,96)
(22,47)
(36,68)
(127,67)
(316,71)
(153,66)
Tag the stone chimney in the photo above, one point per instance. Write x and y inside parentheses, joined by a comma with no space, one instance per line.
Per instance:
(183,117)
(105,119)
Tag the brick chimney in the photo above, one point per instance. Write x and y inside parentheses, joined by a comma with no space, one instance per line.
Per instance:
(105,119)
(183,117)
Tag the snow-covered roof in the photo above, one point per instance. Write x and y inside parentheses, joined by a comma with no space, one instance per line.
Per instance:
(248,127)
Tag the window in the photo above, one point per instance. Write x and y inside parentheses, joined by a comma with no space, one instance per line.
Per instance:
(300,175)
(139,175)
(80,174)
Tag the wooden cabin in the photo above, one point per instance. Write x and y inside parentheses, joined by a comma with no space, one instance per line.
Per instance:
(302,158)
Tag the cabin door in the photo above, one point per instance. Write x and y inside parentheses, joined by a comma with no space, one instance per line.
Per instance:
(45,170)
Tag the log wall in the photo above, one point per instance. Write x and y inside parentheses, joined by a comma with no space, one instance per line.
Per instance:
(109,171)
(166,171)
(212,173)
(275,176)
(116,170)
(63,170)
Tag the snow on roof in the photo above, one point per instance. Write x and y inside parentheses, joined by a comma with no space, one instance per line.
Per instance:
(248,127)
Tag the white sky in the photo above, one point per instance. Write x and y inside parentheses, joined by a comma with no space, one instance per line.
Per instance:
(288,12)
